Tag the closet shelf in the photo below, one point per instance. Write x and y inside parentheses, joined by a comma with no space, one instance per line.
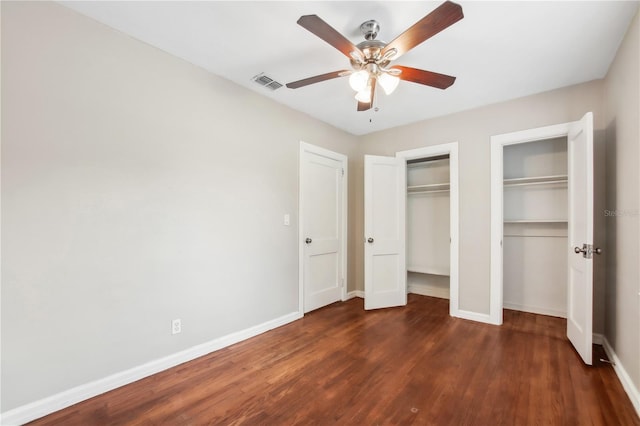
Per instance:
(434,187)
(536,180)
(429,162)
(428,270)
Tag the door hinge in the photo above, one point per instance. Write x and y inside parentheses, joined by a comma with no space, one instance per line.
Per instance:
(343,172)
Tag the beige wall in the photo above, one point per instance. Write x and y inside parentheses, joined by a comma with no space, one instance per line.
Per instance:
(136,188)
(622,100)
(473,130)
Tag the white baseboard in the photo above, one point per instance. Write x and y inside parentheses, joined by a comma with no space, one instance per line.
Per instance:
(355,293)
(534,309)
(473,316)
(628,385)
(427,290)
(51,404)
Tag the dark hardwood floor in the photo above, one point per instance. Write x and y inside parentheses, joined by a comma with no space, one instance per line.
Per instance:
(411,365)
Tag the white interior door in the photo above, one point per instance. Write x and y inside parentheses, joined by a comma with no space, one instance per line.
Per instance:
(385,276)
(580,278)
(322,227)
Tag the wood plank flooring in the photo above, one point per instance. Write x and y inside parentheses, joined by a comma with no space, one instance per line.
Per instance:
(401,366)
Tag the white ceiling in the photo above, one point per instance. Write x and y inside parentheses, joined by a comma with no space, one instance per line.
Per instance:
(499,51)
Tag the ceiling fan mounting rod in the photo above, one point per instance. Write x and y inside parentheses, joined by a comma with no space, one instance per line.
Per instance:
(370,29)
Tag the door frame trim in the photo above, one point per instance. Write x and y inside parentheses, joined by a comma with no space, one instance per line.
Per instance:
(450,149)
(498,142)
(344,160)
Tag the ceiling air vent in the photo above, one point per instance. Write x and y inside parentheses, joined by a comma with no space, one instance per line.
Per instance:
(267,82)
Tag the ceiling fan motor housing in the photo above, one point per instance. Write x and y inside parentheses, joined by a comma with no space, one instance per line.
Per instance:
(371,50)
(370,29)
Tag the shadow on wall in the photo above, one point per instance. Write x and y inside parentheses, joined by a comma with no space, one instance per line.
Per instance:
(610,226)
(599,229)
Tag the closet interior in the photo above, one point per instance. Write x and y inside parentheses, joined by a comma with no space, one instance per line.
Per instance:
(428,226)
(535,216)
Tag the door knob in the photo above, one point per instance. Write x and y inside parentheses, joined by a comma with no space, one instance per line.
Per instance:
(308,240)
(369,240)
(587,251)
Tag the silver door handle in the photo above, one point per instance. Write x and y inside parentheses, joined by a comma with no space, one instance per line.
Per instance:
(587,250)
(370,240)
(308,240)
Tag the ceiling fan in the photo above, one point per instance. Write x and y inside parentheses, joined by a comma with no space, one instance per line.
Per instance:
(371,58)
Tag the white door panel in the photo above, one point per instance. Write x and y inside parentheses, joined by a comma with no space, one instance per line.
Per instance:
(322,184)
(580,275)
(385,205)
(322,200)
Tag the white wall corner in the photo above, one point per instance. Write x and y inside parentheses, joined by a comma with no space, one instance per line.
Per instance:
(355,293)
(628,385)
(53,403)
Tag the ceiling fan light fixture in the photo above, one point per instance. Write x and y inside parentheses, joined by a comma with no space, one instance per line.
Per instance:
(364,95)
(358,80)
(388,82)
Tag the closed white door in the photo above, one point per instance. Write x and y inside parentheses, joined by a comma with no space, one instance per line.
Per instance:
(580,276)
(385,276)
(322,227)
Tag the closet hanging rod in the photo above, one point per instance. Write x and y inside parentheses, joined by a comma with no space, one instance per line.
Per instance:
(536,221)
(428,191)
(431,186)
(417,162)
(535,236)
(542,182)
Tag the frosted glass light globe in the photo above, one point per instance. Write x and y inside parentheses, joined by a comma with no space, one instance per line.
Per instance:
(358,80)
(388,82)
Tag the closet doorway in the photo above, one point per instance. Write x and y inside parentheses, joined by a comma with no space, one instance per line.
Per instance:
(428,226)
(411,226)
(542,226)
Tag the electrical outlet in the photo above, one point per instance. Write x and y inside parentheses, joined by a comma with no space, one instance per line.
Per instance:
(176,326)
(287,220)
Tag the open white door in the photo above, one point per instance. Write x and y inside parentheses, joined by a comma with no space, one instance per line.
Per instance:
(580,297)
(385,274)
